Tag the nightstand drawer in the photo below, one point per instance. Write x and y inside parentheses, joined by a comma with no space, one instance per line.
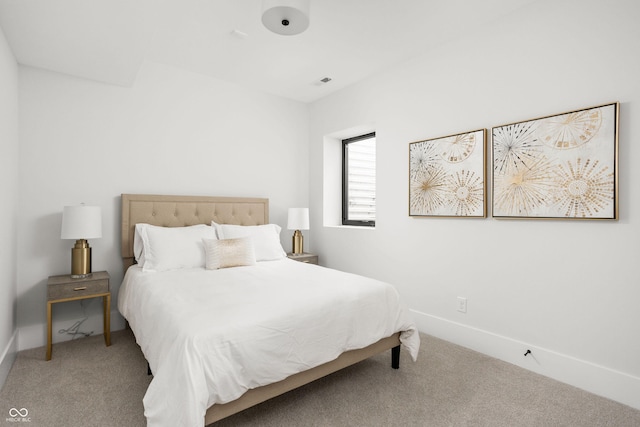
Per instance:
(70,288)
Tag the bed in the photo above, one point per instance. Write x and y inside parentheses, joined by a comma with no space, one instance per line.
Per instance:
(166,331)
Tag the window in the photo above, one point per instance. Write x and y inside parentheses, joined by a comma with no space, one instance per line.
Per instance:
(359,180)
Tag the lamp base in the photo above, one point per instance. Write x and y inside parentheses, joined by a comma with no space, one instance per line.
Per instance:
(297,243)
(80,259)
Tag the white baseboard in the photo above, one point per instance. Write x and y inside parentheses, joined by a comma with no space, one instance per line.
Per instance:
(33,336)
(8,357)
(596,379)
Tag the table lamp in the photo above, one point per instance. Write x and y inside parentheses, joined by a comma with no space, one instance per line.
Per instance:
(298,220)
(81,223)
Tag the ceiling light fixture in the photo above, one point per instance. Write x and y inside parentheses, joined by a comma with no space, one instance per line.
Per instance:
(286,17)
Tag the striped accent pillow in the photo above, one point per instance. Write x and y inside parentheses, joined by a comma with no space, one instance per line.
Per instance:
(225,253)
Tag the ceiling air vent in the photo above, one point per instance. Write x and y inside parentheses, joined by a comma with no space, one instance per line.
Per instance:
(322,82)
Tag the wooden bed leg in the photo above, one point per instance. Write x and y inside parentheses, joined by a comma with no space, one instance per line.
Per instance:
(395,357)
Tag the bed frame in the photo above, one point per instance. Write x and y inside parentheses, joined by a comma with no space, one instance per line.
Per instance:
(179,211)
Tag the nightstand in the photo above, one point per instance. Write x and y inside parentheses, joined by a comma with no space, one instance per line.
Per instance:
(304,257)
(64,288)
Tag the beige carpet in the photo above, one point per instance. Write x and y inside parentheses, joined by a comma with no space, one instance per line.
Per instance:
(88,384)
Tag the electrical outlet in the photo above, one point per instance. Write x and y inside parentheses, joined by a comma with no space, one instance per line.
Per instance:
(462,304)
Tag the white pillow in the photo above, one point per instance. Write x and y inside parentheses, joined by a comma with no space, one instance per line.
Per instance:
(171,248)
(228,253)
(138,244)
(266,238)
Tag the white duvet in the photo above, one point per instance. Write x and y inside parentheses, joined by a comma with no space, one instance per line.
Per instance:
(210,335)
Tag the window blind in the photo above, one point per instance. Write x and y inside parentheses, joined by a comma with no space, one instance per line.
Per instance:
(361,198)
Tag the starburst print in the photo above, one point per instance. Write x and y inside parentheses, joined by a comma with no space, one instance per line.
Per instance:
(570,130)
(585,188)
(514,147)
(522,191)
(428,190)
(421,155)
(447,175)
(457,148)
(562,166)
(466,194)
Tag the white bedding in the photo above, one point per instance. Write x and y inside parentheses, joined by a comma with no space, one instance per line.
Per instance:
(210,335)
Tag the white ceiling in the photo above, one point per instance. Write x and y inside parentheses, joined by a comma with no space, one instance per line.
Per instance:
(348,40)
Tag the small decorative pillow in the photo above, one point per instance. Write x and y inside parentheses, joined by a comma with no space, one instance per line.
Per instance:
(228,253)
(170,248)
(266,238)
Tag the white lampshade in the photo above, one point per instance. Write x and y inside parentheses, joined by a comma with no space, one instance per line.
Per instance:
(286,17)
(81,222)
(298,219)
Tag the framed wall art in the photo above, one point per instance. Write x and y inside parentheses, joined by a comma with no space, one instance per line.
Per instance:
(560,166)
(447,176)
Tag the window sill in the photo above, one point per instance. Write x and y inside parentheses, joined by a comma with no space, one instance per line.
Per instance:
(353,227)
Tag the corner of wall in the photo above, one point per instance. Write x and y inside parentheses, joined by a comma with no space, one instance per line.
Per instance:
(8,357)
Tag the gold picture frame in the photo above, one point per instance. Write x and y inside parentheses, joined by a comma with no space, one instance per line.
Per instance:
(563,166)
(447,176)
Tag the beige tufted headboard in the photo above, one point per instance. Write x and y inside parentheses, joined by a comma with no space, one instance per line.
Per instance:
(180,211)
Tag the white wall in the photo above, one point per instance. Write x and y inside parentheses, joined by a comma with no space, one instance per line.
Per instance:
(567,290)
(9,197)
(173,132)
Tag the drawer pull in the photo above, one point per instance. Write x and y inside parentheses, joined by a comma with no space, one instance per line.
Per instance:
(80,289)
